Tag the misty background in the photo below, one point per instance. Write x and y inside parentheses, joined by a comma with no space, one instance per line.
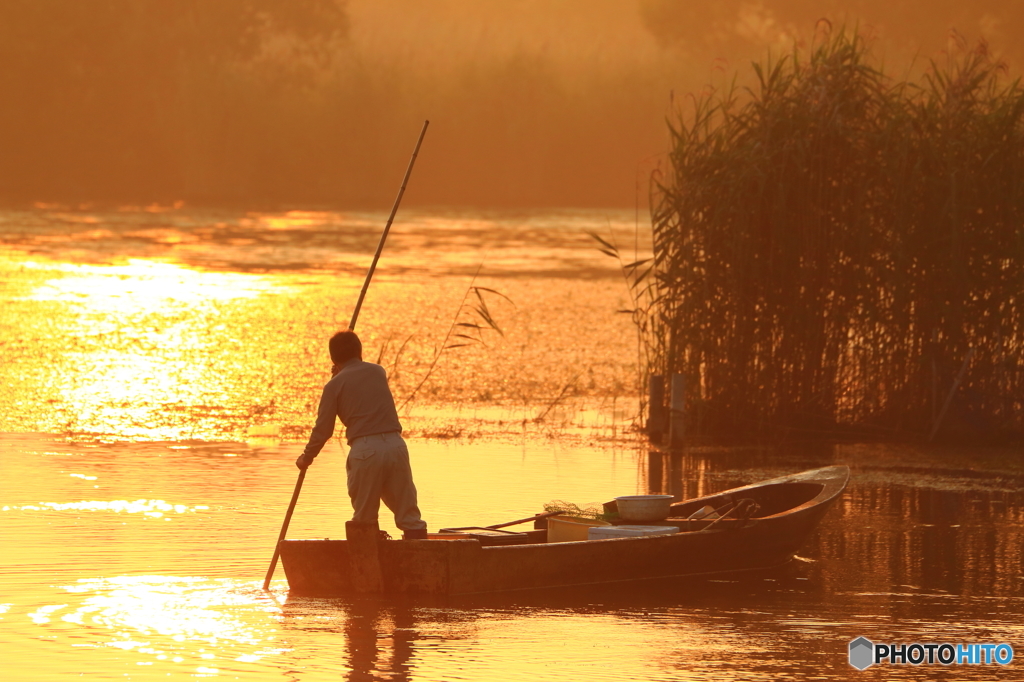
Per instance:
(533,103)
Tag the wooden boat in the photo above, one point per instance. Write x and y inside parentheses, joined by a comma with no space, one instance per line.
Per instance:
(759,526)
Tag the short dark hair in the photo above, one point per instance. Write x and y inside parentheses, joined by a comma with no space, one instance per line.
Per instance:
(344,346)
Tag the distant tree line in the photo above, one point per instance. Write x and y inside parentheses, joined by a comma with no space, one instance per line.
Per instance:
(110,99)
(267,103)
(731,27)
(317,102)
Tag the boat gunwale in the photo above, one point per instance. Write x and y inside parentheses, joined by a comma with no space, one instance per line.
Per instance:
(832,487)
(833,483)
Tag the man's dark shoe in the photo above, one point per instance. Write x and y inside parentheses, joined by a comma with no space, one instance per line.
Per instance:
(420,534)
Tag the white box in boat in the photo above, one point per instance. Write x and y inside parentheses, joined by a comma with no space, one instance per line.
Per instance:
(607,532)
(569,529)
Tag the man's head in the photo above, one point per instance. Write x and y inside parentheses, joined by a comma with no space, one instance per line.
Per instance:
(344,346)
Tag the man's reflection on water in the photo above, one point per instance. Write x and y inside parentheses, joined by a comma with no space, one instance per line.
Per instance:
(379,640)
(378,636)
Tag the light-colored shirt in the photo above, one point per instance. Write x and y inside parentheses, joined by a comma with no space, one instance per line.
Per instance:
(358,395)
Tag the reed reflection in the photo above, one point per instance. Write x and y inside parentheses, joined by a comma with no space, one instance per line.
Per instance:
(961,533)
(962,542)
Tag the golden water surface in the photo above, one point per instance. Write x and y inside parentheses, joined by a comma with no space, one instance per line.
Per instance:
(161,369)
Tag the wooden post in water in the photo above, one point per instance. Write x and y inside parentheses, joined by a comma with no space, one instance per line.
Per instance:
(655,472)
(656,408)
(676,412)
(364,557)
(675,486)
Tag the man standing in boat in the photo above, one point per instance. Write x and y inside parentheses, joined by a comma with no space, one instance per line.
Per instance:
(378,459)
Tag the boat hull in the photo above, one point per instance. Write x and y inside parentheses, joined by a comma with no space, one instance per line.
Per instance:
(456,567)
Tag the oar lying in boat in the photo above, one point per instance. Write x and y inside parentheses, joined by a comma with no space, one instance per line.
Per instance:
(543,515)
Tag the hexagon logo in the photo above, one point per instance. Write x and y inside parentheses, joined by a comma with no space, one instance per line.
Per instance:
(862,653)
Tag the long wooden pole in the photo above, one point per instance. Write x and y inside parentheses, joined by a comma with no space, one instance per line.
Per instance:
(284,529)
(387,228)
(352,326)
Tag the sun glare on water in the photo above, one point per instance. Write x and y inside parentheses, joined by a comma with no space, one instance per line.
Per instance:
(144,339)
(130,337)
(191,622)
(143,284)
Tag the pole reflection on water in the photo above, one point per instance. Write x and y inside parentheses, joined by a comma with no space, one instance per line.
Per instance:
(178,384)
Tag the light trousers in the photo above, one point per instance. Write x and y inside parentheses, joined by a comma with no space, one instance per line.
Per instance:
(378,469)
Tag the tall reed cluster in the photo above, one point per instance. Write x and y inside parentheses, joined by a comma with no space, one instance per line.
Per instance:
(834,249)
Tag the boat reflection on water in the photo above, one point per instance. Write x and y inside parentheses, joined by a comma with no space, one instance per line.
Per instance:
(592,633)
